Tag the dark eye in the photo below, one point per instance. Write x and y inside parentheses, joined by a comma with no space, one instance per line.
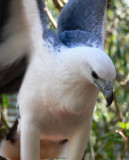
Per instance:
(95,75)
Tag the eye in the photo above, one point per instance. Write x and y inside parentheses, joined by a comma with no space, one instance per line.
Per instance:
(94,75)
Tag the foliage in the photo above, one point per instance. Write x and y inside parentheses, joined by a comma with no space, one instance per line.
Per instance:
(110,130)
(109,138)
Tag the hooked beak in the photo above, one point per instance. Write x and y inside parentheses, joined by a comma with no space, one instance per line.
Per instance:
(108,93)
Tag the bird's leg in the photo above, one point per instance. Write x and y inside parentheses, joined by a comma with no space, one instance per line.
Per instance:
(77,143)
(30,139)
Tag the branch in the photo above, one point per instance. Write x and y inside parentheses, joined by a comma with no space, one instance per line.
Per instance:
(50,16)
(125,145)
(122,80)
(65,1)
(83,158)
(92,150)
(58,4)
(118,110)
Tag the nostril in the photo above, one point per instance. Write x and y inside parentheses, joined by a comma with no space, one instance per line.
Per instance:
(109,86)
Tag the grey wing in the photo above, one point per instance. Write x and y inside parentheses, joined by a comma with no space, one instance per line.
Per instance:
(84,15)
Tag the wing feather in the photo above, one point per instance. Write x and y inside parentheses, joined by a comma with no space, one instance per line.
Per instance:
(16,41)
(86,15)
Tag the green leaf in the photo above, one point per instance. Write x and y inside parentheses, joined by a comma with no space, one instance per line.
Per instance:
(5,100)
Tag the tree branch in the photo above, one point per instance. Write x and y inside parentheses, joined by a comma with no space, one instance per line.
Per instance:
(125,145)
(50,16)
(122,80)
(118,110)
(65,1)
(58,4)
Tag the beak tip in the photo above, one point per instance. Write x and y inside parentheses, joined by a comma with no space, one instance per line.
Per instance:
(107,105)
(108,93)
(109,100)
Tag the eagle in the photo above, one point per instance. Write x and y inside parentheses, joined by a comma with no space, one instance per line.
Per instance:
(59,75)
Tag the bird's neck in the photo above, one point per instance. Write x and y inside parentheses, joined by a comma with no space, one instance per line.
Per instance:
(76,97)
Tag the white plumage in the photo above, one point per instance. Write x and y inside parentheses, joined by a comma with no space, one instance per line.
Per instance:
(62,105)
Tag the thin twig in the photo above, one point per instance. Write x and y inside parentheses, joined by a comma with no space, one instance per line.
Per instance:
(122,80)
(84,155)
(59,4)
(50,16)
(65,1)
(125,145)
(118,110)
(92,151)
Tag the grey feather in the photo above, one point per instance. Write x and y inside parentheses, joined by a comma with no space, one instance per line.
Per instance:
(86,15)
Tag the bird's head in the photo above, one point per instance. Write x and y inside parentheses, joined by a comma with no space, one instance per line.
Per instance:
(101,72)
(93,66)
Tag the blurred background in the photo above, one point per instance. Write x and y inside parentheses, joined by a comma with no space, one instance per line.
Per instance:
(109,139)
